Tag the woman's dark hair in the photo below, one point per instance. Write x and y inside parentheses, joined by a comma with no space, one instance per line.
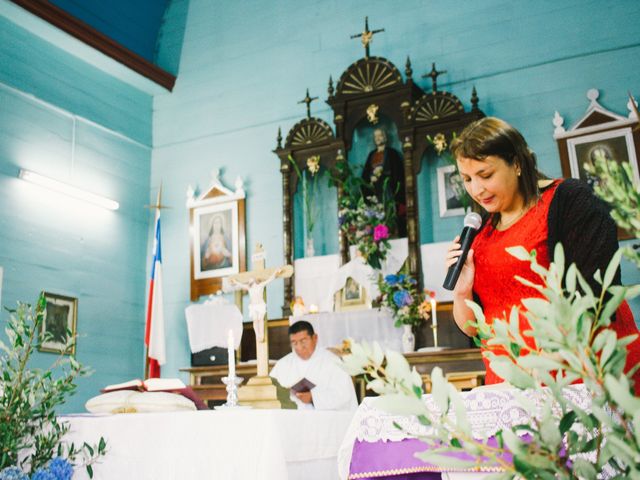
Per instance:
(493,136)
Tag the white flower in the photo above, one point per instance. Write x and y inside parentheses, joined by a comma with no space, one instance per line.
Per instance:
(313,164)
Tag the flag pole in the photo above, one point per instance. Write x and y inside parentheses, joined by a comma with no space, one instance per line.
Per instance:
(156,208)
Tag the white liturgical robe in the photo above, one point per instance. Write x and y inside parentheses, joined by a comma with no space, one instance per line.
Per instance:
(333,389)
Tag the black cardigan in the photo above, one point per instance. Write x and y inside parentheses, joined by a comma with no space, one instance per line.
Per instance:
(581,222)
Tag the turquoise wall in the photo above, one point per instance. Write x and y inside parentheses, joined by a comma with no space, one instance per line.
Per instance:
(53,243)
(244,66)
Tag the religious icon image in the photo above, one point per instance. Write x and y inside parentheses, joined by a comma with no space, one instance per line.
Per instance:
(215,242)
(352,290)
(384,171)
(216,248)
(451,192)
(59,324)
(611,145)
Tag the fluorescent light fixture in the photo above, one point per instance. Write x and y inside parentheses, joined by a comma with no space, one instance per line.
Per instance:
(69,190)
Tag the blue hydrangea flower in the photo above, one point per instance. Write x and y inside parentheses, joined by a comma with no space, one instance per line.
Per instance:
(391,279)
(61,468)
(13,473)
(43,474)
(401,277)
(402,298)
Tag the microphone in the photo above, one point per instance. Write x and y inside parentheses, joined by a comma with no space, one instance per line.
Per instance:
(472,222)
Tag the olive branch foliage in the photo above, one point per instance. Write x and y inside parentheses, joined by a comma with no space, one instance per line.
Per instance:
(31,434)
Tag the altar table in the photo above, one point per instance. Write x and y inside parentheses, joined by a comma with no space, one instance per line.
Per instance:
(221,444)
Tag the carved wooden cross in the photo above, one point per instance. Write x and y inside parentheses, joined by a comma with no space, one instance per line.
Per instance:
(247,281)
(308,101)
(367,36)
(433,74)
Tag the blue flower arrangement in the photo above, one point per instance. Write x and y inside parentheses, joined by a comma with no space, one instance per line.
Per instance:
(401,295)
(57,469)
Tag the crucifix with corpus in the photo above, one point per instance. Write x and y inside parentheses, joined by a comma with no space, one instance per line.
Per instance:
(261,391)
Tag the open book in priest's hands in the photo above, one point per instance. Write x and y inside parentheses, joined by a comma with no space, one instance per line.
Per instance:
(302,386)
(148,385)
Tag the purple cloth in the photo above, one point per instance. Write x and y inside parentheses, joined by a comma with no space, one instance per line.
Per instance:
(396,460)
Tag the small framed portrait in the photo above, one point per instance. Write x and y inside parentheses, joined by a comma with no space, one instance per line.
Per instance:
(451,191)
(616,145)
(217,235)
(58,328)
(216,240)
(353,296)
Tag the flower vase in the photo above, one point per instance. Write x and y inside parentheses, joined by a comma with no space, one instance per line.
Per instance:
(408,339)
(309,249)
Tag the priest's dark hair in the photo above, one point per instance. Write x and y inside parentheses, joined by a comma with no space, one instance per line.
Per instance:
(301,326)
(493,136)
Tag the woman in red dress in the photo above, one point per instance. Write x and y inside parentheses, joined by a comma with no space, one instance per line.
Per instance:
(522,207)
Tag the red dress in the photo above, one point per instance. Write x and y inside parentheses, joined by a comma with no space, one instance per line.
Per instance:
(498,290)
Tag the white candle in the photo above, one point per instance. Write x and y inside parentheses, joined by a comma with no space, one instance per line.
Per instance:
(434,315)
(231,352)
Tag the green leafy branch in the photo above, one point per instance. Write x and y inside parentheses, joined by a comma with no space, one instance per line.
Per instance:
(30,432)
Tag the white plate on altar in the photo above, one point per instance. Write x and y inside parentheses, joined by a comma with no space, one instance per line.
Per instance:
(430,349)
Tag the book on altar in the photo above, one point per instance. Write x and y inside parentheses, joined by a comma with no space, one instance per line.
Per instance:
(148,385)
(302,386)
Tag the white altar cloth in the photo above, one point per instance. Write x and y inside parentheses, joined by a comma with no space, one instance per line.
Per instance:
(221,444)
(316,279)
(361,325)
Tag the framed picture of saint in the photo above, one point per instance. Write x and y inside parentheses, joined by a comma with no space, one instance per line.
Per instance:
(617,145)
(216,235)
(58,328)
(450,191)
(216,240)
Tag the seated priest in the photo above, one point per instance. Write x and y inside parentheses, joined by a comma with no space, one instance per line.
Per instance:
(313,374)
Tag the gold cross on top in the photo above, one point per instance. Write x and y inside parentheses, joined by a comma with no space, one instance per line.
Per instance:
(367,36)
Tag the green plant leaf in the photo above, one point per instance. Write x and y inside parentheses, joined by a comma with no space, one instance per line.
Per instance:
(400,404)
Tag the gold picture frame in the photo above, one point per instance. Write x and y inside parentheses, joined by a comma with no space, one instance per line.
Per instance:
(59,324)
(353,296)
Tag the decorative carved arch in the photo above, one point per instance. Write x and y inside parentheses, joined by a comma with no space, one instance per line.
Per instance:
(436,106)
(368,75)
(307,132)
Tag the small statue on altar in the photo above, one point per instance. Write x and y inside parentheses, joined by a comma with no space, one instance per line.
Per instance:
(297,307)
(257,305)
(384,171)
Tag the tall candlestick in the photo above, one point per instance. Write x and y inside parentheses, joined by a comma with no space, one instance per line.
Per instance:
(434,314)
(231,353)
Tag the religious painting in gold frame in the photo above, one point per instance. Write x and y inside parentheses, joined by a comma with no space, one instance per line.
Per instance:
(57,332)
(217,238)
(353,296)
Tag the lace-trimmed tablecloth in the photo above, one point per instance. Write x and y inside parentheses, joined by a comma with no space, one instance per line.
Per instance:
(488,411)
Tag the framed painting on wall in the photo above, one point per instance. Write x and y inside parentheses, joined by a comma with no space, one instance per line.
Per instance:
(600,133)
(450,191)
(616,145)
(58,327)
(217,236)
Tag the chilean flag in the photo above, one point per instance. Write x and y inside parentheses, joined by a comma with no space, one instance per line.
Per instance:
(154,332)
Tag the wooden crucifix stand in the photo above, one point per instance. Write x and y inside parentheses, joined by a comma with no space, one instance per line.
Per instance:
(261,391)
